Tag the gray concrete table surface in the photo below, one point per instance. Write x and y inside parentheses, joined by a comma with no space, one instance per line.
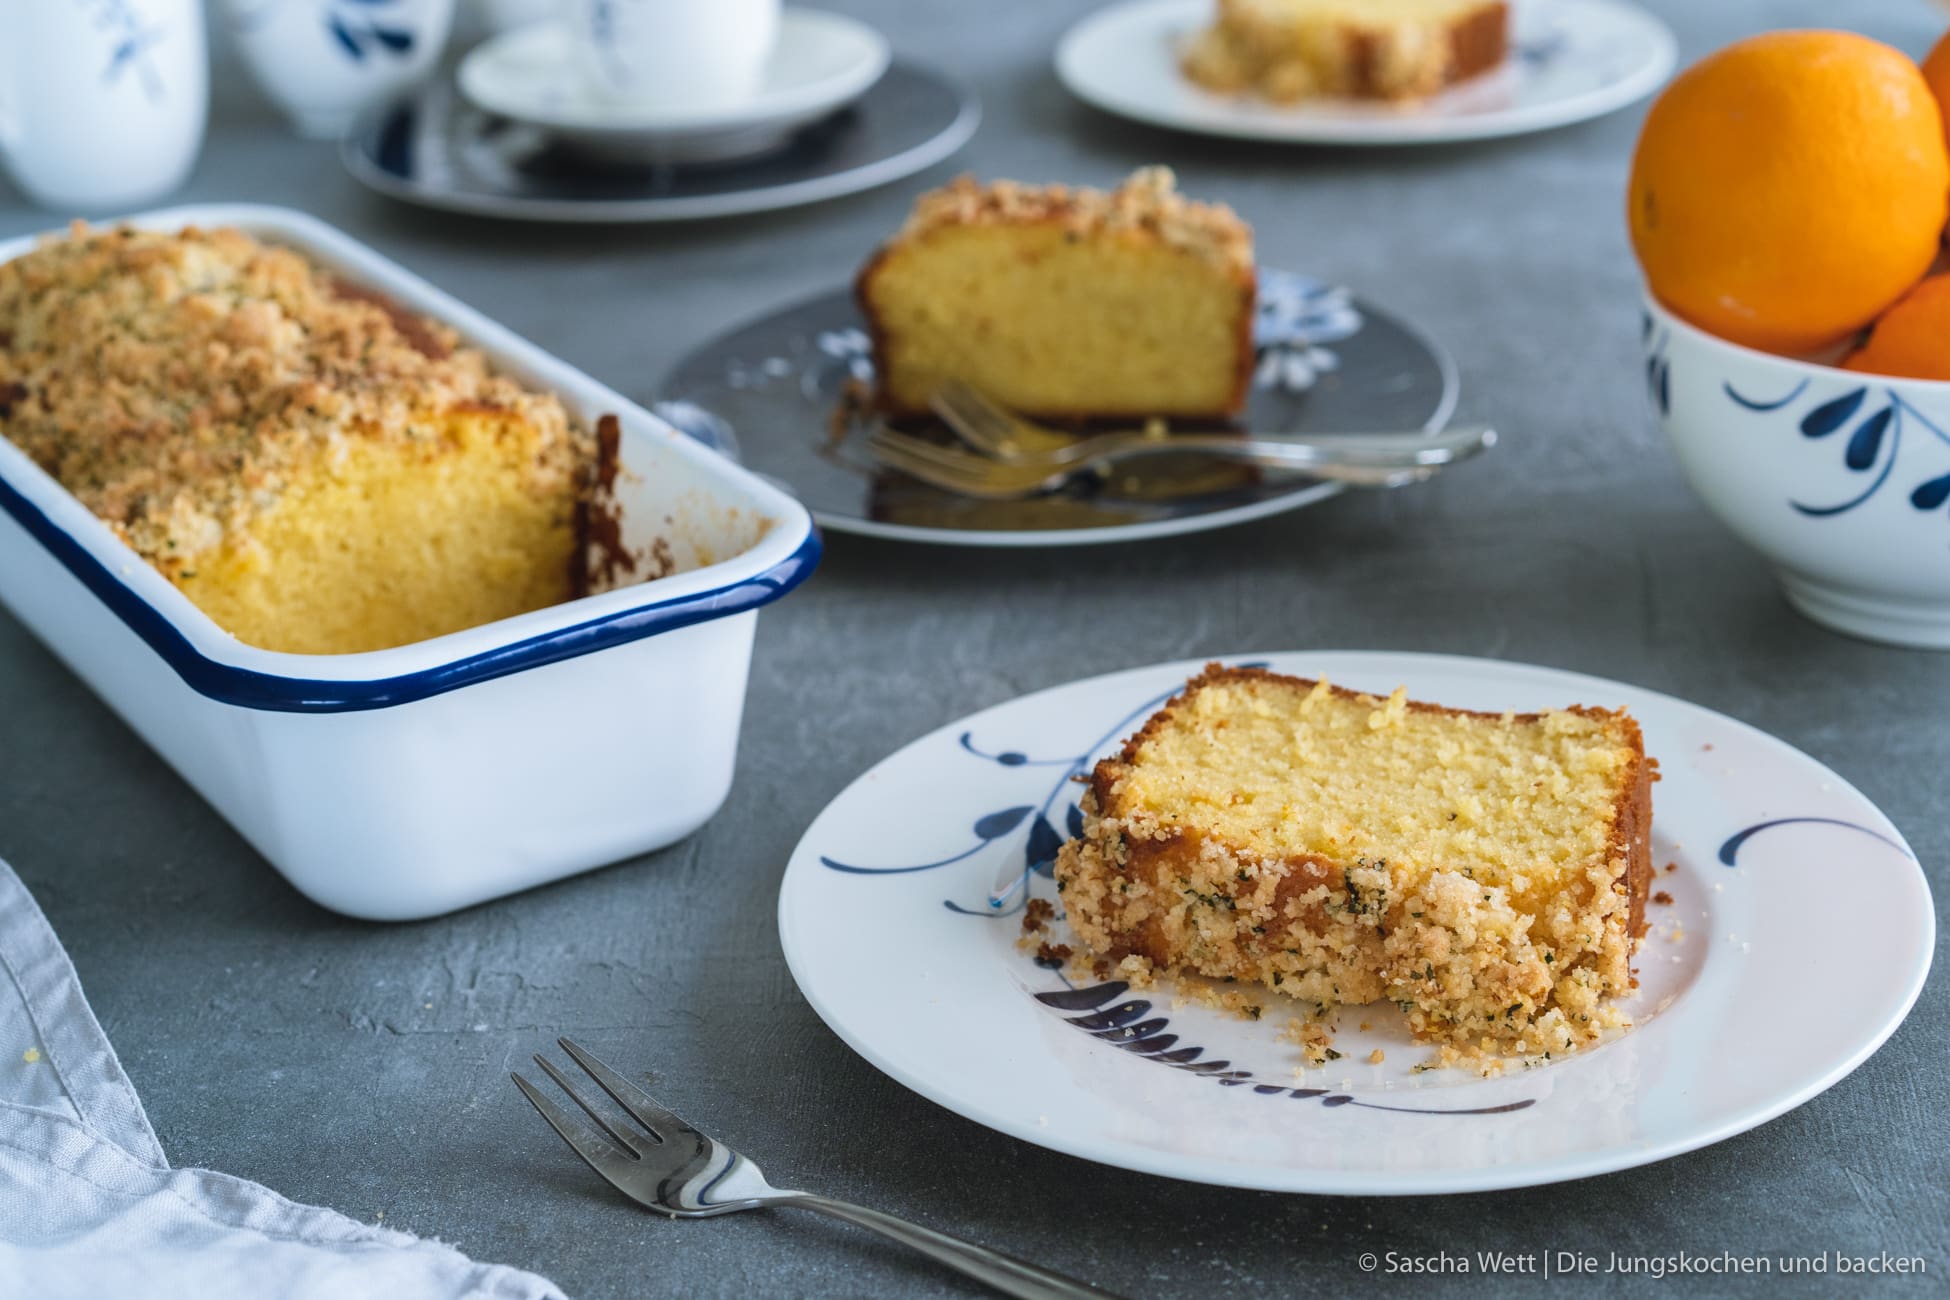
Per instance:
(366,1066)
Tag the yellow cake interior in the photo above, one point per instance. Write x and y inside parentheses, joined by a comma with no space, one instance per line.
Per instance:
(1279,772)
(389,544)
(993,307)
(1066,302)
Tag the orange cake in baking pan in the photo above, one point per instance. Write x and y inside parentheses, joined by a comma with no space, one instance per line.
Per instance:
(316,468)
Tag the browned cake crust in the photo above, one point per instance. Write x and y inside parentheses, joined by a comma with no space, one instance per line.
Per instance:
(1161,859)
(1212,230)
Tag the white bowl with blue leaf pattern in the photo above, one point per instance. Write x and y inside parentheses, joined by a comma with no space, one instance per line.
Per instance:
(1841,479)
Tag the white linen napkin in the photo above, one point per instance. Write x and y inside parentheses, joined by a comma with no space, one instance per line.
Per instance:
(89,1206)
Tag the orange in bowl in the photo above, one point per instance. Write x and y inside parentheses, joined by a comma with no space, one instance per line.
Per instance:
(1936,73)
(1912,339)
(1789,188)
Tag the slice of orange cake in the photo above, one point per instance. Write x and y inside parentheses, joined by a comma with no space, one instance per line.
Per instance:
(1289,50)
(1066,302)
(1486,872)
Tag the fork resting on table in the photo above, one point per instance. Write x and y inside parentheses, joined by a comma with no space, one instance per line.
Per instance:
(661,1162)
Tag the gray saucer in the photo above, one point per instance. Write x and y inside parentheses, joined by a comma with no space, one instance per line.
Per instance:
(437,150)
(1327,362)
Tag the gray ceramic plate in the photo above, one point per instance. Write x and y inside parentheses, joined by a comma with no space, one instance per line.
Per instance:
(1328,363)
(438,151)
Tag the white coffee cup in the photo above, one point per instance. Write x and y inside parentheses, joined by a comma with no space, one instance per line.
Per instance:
(102,103)
(324,62)
(674,53)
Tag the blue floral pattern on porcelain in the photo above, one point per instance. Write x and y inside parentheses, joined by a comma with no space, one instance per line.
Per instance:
(1658,366)
(1296,318)
(1873,443)
(362,27)
(358,28)
(132,38)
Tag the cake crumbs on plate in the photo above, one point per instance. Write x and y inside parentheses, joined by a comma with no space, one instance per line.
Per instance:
(1052,955)
(1377,1056)
(1662,898)
(1315,1039)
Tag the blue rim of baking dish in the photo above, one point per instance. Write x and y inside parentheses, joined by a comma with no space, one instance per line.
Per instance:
(271,692)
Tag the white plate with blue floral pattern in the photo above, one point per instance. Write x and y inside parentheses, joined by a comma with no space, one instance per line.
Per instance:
(1570,60)
(1328,362)
(1797,936)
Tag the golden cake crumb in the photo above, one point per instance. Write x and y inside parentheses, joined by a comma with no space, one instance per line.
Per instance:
(1315,1039)
(1377,1056)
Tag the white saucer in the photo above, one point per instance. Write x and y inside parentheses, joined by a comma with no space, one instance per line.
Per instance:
(1797,936)
(822,62)
(1571,60)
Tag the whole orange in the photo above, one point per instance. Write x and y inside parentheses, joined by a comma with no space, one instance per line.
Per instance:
(1913,338)
(1790,187)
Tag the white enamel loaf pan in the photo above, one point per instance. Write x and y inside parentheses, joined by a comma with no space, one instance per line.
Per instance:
(408,782)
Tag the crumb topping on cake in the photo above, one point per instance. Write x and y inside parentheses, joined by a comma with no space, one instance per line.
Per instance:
(1148,201)
(173,382)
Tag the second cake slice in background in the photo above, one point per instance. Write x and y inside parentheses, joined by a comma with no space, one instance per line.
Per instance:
(1066,303)
(1289,50)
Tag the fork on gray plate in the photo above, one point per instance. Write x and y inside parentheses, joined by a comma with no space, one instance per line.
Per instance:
(1383,460)
(659,1161)
(1368,458)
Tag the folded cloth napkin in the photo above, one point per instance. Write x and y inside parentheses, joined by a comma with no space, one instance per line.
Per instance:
(89,1206)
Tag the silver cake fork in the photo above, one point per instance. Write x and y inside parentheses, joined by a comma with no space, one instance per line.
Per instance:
(665,1164)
